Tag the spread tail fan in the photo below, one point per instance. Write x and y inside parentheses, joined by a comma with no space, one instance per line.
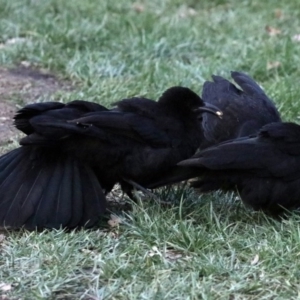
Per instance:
(42,188)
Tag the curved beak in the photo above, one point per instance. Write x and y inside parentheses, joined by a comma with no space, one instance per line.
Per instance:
(211,109)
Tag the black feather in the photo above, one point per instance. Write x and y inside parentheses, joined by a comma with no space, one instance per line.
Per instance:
(245,111)
(265,169)
(72,152)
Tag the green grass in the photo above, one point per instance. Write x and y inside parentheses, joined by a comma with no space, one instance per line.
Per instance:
(200,247)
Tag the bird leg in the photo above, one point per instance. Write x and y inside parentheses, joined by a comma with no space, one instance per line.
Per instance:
(141,188)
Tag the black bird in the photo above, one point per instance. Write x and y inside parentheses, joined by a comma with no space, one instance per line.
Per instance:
(265,168)
(74,153)
(245,111)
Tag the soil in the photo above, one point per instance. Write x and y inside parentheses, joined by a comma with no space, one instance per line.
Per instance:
(20,86)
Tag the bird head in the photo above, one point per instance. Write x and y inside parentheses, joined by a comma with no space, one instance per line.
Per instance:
(186,102)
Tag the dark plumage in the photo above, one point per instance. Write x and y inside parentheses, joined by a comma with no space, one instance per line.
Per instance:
(265,169)
(41,186)
(73,154)
(245,111)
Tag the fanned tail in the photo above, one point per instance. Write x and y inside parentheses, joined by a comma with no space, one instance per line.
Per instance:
(43,188)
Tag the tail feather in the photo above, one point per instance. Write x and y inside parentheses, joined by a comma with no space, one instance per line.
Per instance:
(33,198)
(12,190)
(40,188)
(63,203)
(7,163)
(45,214)
(77,198)
(93,197)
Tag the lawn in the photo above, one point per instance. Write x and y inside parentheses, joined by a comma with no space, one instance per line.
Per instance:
(194,247)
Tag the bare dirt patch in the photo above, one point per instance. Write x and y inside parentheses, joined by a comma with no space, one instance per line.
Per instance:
(6,128)
(20,86)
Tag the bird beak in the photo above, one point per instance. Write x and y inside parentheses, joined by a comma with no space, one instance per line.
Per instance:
(211,109)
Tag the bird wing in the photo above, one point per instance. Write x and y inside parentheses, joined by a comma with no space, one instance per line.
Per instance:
(139,128)
(274,152)
(245,110)
(103,125)
(57,110)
